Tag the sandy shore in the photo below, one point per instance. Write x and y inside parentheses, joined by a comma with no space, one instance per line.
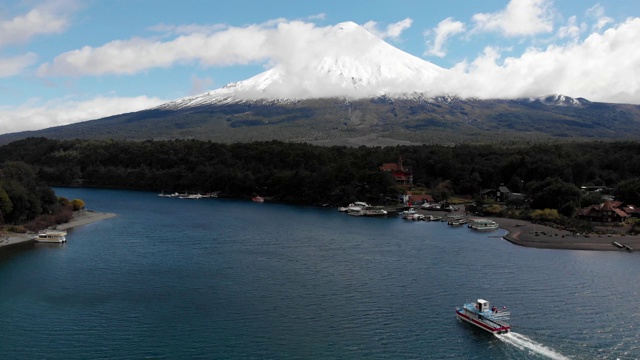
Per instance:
(525,233)
(82,217)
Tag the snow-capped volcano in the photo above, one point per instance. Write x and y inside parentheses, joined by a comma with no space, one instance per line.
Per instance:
(347,61)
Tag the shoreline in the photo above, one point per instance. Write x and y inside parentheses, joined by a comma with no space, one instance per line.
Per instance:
(519,232)
(527,234)
(79,218)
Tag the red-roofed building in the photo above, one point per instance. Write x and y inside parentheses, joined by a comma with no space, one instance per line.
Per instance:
(418,199)
(608,211)
(402,174)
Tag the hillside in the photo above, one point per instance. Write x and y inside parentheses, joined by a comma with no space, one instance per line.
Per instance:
(373,122)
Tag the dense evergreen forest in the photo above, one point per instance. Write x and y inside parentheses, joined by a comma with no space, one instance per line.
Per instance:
(300,173)
(26,200)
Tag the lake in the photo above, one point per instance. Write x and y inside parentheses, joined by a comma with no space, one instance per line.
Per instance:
(174,278)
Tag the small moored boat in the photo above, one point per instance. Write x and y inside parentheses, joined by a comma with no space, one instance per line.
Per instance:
(487,318)
(414,217)
(374,212)
(354,207)
(456,220)
(408,212)
(52,236)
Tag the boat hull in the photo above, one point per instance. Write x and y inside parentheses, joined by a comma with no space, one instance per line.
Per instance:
(489,326)
(51,241)
(484,228)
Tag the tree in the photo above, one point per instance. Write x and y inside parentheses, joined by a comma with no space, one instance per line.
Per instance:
(6,206)
(77,204)
(443,191)
(553,193)
(545,215)
(628,191)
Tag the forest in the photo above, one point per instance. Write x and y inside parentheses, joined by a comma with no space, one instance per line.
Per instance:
(549,174)
(28,202)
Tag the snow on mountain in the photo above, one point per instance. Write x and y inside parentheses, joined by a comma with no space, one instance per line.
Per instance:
(560,100)
(350,63)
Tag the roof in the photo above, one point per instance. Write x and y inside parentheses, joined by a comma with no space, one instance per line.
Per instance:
(609,205)
(418,198)
(605,206)
(621,213)
(390,167)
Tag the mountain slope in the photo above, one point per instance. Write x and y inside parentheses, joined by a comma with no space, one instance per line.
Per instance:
(369,93)
(376,121)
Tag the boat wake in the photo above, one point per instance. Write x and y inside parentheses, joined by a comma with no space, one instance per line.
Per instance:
(524,343)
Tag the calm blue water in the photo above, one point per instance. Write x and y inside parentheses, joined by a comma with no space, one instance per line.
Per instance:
(227,279)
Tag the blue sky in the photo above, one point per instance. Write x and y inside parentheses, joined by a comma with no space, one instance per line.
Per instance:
(64,61)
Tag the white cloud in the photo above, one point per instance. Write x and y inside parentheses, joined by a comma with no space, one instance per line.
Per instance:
(15,65)
(392,31)
(200,85)
(188,29)
(49,18)
(601,68)
(597,12)
(276,40)
(35,115)
(519,18)
(445,29)
(320,16)
(395,30)
(230,46)
(571,30)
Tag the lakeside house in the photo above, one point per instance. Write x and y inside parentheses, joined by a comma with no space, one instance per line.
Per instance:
(402,174)
(501,194)
(607,212)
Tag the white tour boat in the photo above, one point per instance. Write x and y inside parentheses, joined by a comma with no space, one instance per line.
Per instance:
(52,236)
(483,224)
(487,318)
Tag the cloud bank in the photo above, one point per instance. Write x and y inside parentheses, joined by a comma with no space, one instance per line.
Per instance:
(36,115)
(600,68)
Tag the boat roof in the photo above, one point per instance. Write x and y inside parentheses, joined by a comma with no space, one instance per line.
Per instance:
(52,232)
